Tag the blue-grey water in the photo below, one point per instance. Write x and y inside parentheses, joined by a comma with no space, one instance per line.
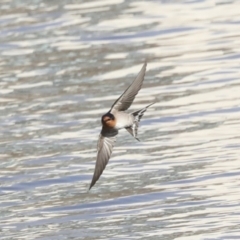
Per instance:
(63,63)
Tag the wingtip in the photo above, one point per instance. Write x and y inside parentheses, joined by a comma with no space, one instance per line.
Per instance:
(145,64)
(91,185)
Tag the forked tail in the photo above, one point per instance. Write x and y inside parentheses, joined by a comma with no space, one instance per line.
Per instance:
(133,130)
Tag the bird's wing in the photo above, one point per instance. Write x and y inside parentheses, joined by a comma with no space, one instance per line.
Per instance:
(126,99)
(104,150)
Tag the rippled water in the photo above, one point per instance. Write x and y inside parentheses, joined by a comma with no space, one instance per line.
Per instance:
(62,65)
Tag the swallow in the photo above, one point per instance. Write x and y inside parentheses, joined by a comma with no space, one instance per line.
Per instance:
(114,120)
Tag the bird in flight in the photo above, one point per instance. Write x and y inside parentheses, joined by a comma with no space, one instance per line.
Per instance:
(116,118)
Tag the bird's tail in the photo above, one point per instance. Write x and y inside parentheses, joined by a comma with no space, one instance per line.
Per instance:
(133,130)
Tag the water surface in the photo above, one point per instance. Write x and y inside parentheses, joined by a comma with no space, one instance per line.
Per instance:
(61,67)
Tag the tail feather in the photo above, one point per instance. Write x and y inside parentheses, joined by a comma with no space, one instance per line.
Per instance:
(133,130)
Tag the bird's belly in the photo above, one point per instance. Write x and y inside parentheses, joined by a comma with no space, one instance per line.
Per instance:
(124,120)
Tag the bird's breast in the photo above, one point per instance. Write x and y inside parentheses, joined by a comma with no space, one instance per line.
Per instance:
(123,120)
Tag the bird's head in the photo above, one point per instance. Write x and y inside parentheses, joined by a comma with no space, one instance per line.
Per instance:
(108,120)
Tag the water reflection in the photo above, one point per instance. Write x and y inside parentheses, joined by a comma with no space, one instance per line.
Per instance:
(62,65)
